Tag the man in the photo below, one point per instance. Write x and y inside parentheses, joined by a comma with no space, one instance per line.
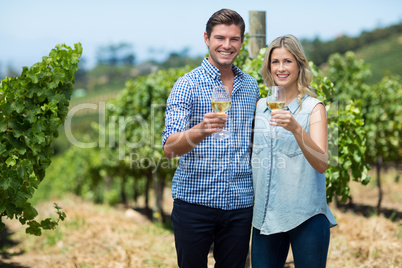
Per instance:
(212,186)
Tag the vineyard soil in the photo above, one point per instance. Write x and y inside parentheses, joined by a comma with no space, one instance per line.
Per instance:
(103,236)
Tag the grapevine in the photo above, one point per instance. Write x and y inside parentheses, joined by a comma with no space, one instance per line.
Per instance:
(32,107)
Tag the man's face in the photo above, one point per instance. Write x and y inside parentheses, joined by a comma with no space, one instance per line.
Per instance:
(224,45)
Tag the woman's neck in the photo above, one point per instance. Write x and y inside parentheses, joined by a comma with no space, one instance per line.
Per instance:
(291,94)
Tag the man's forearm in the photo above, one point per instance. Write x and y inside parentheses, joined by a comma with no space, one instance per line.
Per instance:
(181,143)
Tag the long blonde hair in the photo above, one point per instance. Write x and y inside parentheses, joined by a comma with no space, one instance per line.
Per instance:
(293,45)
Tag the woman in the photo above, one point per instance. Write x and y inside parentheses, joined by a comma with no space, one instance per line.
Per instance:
(288,172)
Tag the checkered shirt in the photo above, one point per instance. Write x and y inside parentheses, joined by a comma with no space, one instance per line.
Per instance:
(216,173)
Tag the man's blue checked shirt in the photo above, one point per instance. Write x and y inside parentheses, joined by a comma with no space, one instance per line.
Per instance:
(216,173)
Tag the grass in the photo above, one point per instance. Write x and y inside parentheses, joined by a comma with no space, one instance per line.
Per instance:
(96,235)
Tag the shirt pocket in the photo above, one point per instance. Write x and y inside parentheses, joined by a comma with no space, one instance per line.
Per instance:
(260,144)
(288,145)
(257,157)
(257,149)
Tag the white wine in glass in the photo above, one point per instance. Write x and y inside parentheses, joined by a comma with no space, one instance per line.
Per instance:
(276,100)
(221,103)
(221,106)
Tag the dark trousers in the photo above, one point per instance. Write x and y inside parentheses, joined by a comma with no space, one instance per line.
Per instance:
(197,227)
(309,241)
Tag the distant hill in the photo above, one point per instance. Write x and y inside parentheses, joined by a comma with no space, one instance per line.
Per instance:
(381,48)
(384,56)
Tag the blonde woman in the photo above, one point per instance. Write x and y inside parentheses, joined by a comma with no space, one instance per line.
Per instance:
(288,172)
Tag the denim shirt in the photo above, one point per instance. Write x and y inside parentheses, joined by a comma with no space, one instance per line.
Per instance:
(287,189)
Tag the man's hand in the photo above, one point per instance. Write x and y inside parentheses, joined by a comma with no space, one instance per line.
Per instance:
(212,123)
(181,143)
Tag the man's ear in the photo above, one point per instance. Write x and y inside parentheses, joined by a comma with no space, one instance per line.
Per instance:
(206,40)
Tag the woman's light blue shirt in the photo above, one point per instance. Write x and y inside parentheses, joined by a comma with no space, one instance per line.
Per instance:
(287,189)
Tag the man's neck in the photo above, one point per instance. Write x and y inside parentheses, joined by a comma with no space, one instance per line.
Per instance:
(227,78)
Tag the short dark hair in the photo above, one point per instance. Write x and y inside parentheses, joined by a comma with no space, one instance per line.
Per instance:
(227,17)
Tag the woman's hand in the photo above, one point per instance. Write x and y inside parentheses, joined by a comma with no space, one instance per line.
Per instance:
(313,146)
(283,118)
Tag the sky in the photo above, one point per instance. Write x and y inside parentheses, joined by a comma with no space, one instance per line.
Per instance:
(30,29)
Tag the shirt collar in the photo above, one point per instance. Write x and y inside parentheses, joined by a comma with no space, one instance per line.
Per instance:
(295,105)
(292,107)
(215,73)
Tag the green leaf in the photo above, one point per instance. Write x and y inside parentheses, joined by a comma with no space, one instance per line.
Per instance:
(11,161)
(18,105)
(3,123)
(48,224)
(5,181)
(3,148)
(29,212)
(34,228)
(20,198)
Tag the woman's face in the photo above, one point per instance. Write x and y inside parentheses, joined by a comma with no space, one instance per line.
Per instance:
(284,68)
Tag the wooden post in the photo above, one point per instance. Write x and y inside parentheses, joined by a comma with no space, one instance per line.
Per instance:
(257,34)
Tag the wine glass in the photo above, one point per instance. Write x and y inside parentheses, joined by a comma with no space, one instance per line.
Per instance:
(276,101)
(221,103)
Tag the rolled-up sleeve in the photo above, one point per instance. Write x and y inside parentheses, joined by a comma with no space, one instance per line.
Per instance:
(178,109)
